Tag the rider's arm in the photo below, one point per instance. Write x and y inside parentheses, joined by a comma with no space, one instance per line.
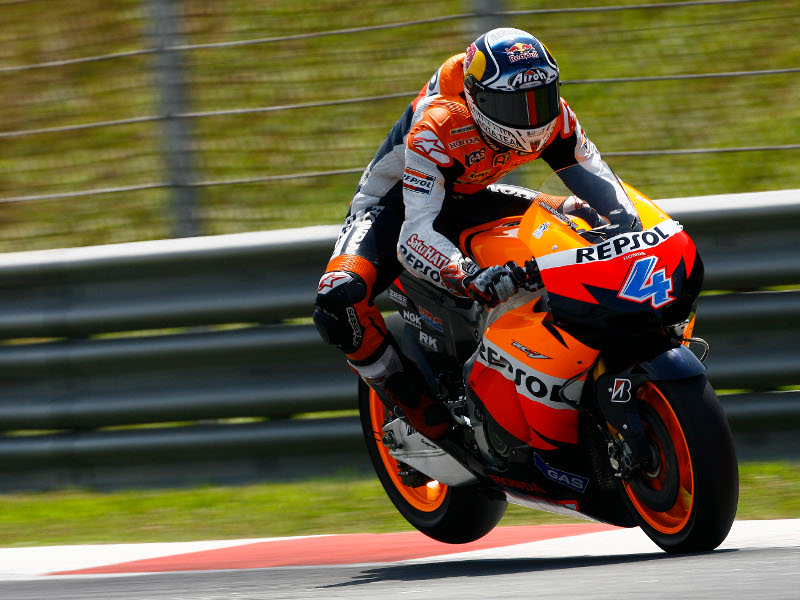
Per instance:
(594,181)
(421,249)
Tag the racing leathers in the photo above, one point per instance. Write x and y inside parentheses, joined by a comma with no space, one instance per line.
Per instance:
(431,179)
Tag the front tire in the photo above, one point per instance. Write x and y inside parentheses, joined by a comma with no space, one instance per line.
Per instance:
(454,515)
(687,502)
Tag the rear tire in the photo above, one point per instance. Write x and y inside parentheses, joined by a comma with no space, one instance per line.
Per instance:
(454,515)
(688,503)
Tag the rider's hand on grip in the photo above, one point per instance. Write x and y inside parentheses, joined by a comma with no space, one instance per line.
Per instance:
(492,285)
(581,209)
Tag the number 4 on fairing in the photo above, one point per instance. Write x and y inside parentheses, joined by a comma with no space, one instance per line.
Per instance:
(643,284)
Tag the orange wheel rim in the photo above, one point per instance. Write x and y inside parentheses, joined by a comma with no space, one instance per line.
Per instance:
(675,518)
(426,498)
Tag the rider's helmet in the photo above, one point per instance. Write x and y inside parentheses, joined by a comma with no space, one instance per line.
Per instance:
(511,87)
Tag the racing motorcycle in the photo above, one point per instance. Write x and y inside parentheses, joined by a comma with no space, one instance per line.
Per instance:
(580,395)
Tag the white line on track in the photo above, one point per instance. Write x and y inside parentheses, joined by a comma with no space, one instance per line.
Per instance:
(31,563)
(744,534)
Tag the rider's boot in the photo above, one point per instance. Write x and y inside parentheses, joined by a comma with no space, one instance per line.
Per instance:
(399,383)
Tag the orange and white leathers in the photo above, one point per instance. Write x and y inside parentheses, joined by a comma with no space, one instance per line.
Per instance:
(436,151)
(429,180)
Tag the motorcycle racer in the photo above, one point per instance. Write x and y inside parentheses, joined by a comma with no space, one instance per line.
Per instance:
(482,114)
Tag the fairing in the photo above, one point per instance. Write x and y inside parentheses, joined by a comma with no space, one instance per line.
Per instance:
(625,286)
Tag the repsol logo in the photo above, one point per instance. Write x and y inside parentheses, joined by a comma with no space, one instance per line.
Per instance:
(621,245)
(527,383)
(418,266)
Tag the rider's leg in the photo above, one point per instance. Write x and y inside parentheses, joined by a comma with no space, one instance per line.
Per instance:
(346,316)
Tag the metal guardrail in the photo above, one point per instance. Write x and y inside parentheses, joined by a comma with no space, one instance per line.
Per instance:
(70,392)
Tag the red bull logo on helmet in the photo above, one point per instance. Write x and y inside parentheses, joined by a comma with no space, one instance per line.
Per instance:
(521,51)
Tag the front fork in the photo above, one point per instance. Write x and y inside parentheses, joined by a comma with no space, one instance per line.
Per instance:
(618,405)
(629,449)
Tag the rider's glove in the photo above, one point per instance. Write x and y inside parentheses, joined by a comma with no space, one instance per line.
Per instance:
(492,285)
(580,208)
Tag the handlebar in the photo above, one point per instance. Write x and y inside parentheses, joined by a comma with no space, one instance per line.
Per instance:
(527,277)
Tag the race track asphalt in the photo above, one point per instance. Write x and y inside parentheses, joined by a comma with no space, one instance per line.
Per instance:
(760,559)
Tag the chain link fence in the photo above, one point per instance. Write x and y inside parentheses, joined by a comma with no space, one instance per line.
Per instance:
(128,120)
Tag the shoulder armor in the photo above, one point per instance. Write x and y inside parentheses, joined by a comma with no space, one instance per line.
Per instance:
(451,77)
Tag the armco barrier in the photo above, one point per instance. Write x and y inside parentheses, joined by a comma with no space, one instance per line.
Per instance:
(215,373)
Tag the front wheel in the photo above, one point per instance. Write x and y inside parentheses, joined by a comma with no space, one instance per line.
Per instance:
(686,501)
(454,515)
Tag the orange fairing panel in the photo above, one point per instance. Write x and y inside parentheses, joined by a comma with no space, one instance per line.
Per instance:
(522,363)
(546,233)
(495,243)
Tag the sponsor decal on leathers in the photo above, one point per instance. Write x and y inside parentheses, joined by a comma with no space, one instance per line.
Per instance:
(412,318)
(428,340)
(427,144)
(463,142)
(417,265)
(464,129)
(355,229)
(475,157)
(432,321)
(417,181)
(352,318)
(427,251)
(332,280)
(398,298)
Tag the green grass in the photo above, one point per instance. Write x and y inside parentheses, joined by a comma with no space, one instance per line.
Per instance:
(699,113)
(338,504)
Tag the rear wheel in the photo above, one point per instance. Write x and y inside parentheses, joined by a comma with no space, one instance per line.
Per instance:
(686,501)
(455,515)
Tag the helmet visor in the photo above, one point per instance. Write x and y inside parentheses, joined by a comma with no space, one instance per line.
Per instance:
(526,109)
